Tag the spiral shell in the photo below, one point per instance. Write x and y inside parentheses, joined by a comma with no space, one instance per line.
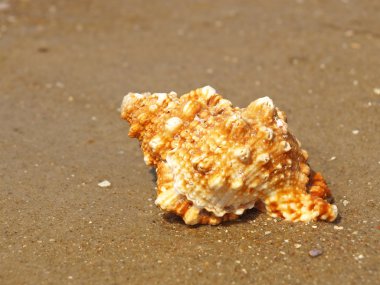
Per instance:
(214,161)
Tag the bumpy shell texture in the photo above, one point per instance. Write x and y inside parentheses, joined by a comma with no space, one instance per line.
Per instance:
(214,160)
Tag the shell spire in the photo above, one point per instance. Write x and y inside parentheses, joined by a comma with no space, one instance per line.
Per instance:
(214,160)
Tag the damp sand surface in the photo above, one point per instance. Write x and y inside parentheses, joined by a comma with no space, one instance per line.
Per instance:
(77,201)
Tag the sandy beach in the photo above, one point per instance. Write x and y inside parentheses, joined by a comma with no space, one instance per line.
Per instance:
(64,69)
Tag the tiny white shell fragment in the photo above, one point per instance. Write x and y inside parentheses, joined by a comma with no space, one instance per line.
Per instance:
(104,184)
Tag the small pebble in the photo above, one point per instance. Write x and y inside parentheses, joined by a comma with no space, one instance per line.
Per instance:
(376,91)
(345,202)
(338,228)
(315,252)
(104,184)
(267,232)
(297,245)
(355,132)
(314,226)
(332,158)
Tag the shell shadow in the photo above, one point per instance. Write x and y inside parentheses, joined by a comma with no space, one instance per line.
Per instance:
(338,220)
(173,218)
(248,215)
(152,171)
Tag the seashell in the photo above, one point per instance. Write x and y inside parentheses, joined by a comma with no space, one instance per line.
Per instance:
(214,161)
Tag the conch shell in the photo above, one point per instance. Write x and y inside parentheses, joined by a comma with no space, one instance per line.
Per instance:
(214,161)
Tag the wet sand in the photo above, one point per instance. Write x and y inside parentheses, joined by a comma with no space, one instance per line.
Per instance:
(64,69)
